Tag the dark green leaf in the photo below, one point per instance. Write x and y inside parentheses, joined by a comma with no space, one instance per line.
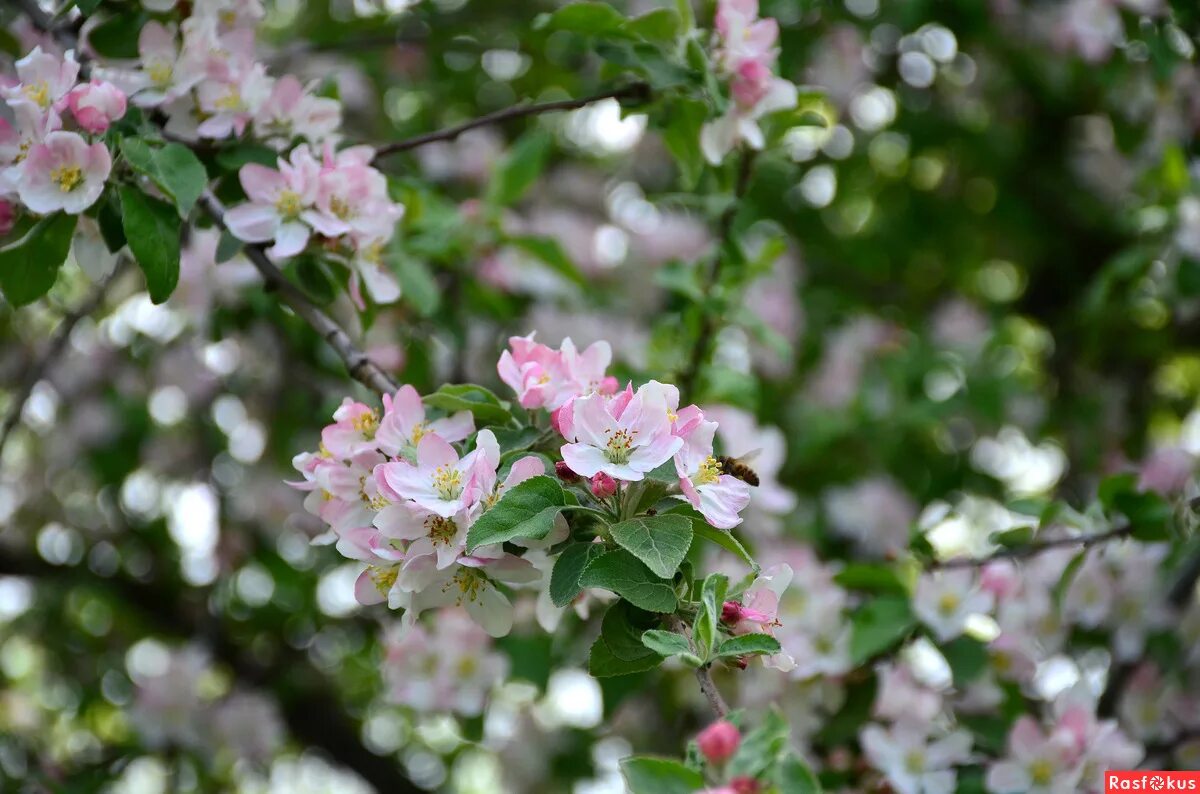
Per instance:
(117,36)
(723,538)
(879,625)
(744,644)
(603,663)
(623,574)
(622,630)
(870,576)
(645,775)
(793,776)
(708,616)
(152,228)
(520,168)
(172,167)
(527,510)
(661,541)
(564,579)
(967,657)
(487,407)
(760,747)
(550,253)
(682,137)
(234,157)
(661,24)
(29,266)
(589,19)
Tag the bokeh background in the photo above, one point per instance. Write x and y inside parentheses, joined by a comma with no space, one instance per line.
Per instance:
(978,281)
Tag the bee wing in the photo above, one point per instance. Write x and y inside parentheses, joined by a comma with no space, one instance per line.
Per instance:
(750,456)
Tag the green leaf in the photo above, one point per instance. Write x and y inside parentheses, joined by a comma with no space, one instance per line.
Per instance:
(1149,514)
(661,24)
(871,577)
(793,776)
(686,13)
(564,579)
(967,657)
(314,279)
(520,169)
(603,663)
(748,644)
(527,510)
(550,253)
(486,406)
(682,137)
(172,167)
(152,229)
(723,538)
(623,574)
(647,60)
(1011,538)
(661,541)
(760,747)
(645,775)
(708,617)
(232,158)
(622,630)
(117,36)
(878,626)
(589,19)
(666,643)
(29,266)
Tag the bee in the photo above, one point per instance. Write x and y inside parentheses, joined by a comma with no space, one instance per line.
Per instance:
(738,467)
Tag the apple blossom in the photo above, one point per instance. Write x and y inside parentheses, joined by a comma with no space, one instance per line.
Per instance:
(944,600)
(438,481)
(95,105)
(623,440)
(911,761)
(1037,762)
(719,497)
(44,78)
(404,424)
(546,378)
(63,172)
(291,110)
(277,200)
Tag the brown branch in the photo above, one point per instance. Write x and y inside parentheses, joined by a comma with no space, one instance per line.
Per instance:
(703,673)
(358,364)
(57,343)
(1033,549)
(632,91)
(708,323)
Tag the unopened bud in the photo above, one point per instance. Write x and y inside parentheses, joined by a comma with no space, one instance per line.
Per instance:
(565,472)
(740,662)
(731,612)
(719,741)
(744,785)
(603,486)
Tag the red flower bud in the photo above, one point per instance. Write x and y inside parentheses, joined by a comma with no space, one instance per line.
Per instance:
(603,486)
(564,472)
(731,612)
(719,741)
(745,785)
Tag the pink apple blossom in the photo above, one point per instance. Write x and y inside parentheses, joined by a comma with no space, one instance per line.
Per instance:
(743,36)
(291,110)
(911,760)
(438,481)
(718,496)
(64,172)
(944,600)
(1037,762)
(277,201)
(95,105)
(546,378)
(404,424)
(623,440)
(44,78)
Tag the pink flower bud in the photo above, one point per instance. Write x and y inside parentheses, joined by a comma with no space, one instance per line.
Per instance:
(719,741)
(603,486)
(745,785)
(95,105)
(8,217)
(565,472)
(731,612)
(751,83)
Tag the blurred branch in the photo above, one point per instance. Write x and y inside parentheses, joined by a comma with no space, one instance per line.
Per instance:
(57,343)
(632,91)
(708,323)
(358,364)
(703,674)
(313,712)
(1033,549)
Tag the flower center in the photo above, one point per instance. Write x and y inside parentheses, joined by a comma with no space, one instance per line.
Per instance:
(340,207)
(914,762)
(288,203)
(619,446)
(442,530)
(160,72)
(67,177)
(467,666)
(710,472)
(1041,772)
(447,481)
(372,252)
(418,432)
(365,423)
(38,93)
(470,582)
(384,578)
(947,603)
(231,101)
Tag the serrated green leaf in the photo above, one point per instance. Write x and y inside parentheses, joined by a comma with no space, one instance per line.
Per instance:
(744,644)
(603,663)
(760,747)
(708,616)
(625,575)
(527,510)
(661,541)
(29,266)
(622,630)
(172,167)
(793,776)
(486,406)
(564,578)
(152,228)
(878,625)
(665,643)
(646,775)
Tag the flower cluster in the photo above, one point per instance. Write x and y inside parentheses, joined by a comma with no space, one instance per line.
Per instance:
(45,165)
(204,76)
(340,198)
(746,53)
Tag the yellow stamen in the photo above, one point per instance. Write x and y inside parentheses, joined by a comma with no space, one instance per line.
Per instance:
(384,578)
(948,603)
(619,446)
(38,93)
(366,423)
(67,177)
(710,471)
(231,101)
(288,203)
(160,73)
(447,481)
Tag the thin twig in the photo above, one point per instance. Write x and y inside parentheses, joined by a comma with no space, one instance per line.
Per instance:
(57,343)
(633,91)
(1033,549)
(358,364)
(703,674)
(708,323)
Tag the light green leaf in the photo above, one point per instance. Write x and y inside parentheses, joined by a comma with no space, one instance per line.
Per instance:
(520,169)
(486,406)
(665,643)
(152,229)
(623,574)
(723,538)
(708,617)
(661,24)
(879,625)
(549,252)
(749,644)
(172,167)
(661,541)
(682,137)
(29,266)
(645,775)
(527,510)
(589,19)
(760,747)
(793,776)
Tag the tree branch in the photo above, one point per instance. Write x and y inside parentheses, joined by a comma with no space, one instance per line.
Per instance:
(708,323)
(57,343)
(703,673)
(632,91)
(1033,549)
(360,367)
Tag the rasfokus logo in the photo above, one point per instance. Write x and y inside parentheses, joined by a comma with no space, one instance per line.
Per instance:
(1145,780)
